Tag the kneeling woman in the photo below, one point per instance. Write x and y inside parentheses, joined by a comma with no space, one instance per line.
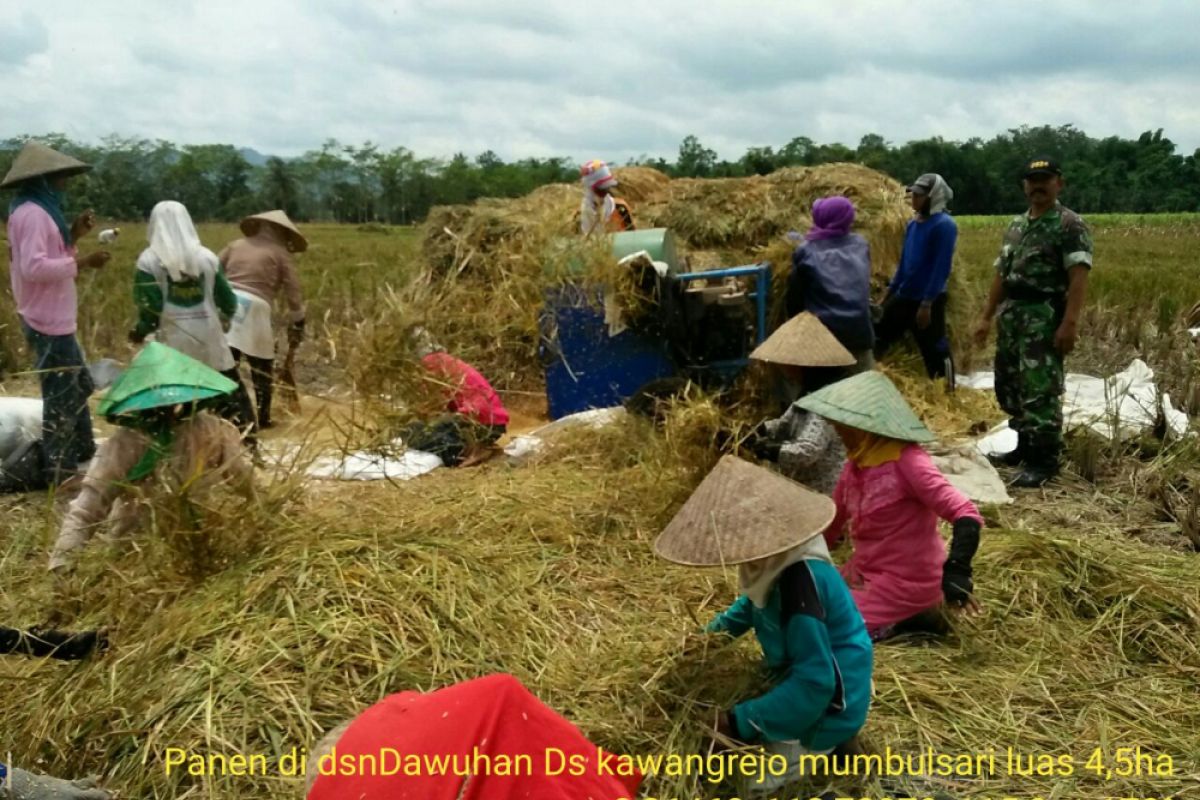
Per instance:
(155,406)
(891,496)
(792,596)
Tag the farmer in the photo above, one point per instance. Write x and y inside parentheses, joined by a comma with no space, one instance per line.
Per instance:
(811,634)
(45,265)
(259,266)
(916,297)
(182,294)
(891,495)
(472,727)
(600,209)
(475,414)
(155,404)
(831,278)
(805,446)
(1039,290)
(18,784)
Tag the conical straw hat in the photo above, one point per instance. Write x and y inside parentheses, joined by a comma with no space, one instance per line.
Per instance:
(250,227)
(740,513)
(870,402)
(37,159)
(803,341)
(162,376)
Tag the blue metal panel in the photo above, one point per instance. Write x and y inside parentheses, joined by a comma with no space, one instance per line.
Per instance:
(585,367)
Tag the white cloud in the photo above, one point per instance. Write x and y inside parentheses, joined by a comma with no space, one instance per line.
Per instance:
(573,79)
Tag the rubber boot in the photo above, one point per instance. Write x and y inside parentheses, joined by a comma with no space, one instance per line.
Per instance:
(1015,458)
(1041,466)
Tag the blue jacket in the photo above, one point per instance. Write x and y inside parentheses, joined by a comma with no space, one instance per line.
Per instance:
(822,650)
(925,262)
(831,278)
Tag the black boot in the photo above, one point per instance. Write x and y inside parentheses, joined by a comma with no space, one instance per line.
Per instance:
(1041,466)
(1014,458)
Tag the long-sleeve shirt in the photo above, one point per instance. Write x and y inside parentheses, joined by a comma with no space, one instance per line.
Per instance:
(893,510)
(263,268)
(468,391)
(43,271)
(811,632)
(925,261)
(831,278)
(810,452)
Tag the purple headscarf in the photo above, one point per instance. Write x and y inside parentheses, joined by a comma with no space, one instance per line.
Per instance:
(832,217)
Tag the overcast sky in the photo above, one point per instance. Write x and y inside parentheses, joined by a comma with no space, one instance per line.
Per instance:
(598,79)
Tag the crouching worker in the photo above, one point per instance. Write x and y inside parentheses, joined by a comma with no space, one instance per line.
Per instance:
(805,446)
(891,496)
(156,404)
(812,635)
(494,737)
(18,784)
(475,418)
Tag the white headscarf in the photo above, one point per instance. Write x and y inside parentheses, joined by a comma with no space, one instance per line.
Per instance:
(175,243)
(594,212)
(757,578)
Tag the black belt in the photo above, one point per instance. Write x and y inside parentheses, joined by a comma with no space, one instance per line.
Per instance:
(1024,295)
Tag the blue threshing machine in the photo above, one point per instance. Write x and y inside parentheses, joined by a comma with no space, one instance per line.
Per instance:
(702,326)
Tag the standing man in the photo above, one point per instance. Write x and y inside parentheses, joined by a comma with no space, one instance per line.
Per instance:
(45,265)
(916,297)
(1039,289)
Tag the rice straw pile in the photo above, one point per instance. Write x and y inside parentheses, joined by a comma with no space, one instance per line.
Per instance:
(547,572)
(488,262)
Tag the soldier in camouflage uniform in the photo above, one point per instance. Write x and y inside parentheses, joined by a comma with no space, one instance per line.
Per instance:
(1039,289)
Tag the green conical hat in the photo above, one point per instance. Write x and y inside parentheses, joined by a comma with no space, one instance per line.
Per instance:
(162,376)
(870,402)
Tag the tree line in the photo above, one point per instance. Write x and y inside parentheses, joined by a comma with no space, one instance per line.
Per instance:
(368,183)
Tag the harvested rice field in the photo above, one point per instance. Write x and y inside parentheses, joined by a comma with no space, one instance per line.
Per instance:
(274,621)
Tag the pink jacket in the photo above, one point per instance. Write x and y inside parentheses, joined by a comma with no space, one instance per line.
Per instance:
(43,271)
(893,509)
(472,396)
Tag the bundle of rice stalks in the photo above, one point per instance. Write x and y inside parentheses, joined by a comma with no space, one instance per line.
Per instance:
(640,184)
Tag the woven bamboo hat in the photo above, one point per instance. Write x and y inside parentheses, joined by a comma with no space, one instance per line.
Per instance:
(37,159)
(870,402)
(803,341)
(251,223)
(161,376)
(741,513)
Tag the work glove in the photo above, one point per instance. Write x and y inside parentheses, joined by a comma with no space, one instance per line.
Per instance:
(295,333)
(22,785)
(61,645)
(957,585)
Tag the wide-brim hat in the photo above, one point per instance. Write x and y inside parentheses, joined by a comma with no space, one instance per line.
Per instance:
(37,159)
(161,376)
(250,225)
(741,512)
(803,341)
(869,402)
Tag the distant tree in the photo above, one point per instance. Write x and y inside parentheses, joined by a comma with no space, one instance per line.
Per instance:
(695,160)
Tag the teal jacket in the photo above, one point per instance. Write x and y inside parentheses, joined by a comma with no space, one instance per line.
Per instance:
(823,654)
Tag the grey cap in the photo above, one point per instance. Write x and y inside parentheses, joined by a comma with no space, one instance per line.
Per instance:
(923,184)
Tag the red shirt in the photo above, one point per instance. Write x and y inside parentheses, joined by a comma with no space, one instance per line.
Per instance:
(477,731)
(472,396)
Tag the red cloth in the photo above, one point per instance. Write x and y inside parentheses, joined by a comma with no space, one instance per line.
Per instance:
(488,717)
(472,396)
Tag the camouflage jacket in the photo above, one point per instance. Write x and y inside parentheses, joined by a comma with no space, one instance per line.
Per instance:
(1037,253)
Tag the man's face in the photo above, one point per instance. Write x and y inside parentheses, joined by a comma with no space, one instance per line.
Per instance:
(1042,189)
(59,182)
(920,202)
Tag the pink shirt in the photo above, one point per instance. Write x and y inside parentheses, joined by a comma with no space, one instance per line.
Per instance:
(893,509)
(472,396)
(43,271)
